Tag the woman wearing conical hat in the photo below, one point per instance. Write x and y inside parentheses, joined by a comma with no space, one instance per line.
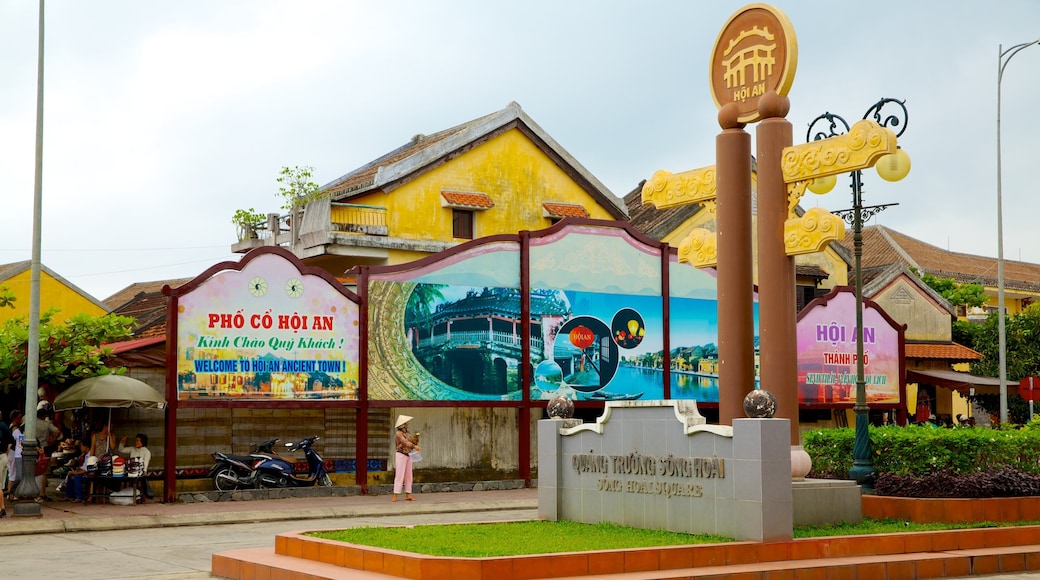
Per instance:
(404,444)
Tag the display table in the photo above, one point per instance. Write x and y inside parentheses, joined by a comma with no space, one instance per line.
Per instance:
(98,487)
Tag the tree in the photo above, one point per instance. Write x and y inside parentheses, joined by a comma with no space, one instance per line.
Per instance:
(1022,341)
(296,188)
(69,351)
(954,293)
(6,298)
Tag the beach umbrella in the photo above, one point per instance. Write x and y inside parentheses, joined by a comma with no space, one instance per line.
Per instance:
(111,391)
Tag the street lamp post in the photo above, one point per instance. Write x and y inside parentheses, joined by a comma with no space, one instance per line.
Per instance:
(892,167)
(1003,57)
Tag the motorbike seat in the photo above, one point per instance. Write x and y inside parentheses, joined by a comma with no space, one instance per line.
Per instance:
(247,459)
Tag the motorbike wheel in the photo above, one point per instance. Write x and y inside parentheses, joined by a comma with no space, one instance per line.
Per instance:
(220,481)
(325,480)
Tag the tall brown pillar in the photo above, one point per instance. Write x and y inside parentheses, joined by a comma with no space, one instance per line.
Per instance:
(777,315)
(735,283)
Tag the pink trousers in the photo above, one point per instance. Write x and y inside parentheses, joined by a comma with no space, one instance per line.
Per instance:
(402,472)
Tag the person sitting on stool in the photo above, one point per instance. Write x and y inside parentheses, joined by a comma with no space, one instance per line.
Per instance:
(140,452)
(76,487)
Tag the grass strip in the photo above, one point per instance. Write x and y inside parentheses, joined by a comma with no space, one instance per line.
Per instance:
(547,537)
(512,538)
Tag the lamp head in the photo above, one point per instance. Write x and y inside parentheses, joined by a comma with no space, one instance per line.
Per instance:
(822,185)
(894,166)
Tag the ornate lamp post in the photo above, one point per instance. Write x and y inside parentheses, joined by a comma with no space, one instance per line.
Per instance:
(1003,57)
(892,167)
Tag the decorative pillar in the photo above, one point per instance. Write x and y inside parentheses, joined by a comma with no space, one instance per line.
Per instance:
(778,340)
(735,281)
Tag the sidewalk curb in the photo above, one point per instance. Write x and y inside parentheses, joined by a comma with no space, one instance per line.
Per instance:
(41,525)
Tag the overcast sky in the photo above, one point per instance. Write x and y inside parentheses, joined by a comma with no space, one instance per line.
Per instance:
(162,118)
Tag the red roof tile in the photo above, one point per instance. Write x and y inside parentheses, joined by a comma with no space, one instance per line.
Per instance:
(468,199)
(562,210)
(951,351)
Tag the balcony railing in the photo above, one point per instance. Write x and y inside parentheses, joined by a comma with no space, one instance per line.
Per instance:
(358,219)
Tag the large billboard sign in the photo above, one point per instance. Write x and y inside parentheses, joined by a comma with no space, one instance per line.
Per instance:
(827,357)
(267,329)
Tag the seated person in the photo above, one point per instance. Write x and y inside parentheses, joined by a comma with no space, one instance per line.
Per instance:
(75,486)
(139,452)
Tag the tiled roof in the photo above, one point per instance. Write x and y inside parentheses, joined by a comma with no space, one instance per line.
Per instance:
(653,222)
(562,210)
(468,199)
(883,246)
(128,345)
(810,270)
(951,351)
(424,152)
(126,294)
(8,270)
(149,312)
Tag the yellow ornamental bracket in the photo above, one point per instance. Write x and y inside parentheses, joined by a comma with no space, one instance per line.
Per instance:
(666,189)
(860,148)
(699,249)
(811,232)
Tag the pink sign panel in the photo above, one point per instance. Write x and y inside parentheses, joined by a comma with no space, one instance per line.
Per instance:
(267,330)
(827,352)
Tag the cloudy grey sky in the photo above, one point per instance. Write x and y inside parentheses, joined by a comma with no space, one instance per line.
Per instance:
(162,118)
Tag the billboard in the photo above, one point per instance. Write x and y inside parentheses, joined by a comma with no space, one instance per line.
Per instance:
(827,359)
(265,329)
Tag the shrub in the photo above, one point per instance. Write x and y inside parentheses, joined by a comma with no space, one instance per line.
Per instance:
(1001,483)
(936,458)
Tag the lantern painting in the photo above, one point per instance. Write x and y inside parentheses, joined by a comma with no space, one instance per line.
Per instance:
(582,337)
(627,328)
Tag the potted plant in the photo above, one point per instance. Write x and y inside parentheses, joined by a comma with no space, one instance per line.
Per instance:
(247,222)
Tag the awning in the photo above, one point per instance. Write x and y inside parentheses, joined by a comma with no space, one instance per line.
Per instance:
(954,380)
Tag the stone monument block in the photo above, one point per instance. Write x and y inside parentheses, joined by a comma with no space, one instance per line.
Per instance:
(658,465)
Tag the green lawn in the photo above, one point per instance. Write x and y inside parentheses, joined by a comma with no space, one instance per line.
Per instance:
(542,537)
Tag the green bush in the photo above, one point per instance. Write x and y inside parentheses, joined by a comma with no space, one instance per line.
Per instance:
(919,451)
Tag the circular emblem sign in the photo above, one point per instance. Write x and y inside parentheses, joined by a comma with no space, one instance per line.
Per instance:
(756,52)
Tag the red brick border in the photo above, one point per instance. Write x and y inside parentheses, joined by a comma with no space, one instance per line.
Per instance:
(944,510)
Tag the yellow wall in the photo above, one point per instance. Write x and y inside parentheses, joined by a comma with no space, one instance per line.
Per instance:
(509,168)
(53,293)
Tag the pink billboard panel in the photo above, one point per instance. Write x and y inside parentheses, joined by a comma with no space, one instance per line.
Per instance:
(827,352)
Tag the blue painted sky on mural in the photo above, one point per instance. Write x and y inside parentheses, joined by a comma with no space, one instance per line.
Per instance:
(163,118)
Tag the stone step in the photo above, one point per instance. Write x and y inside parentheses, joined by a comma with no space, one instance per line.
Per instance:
(897,557)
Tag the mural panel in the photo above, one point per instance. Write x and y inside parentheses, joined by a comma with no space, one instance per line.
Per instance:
(600,346)
(267,331)
(694,336)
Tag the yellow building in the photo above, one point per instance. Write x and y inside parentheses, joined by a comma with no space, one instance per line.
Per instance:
(55,292)
(497,174)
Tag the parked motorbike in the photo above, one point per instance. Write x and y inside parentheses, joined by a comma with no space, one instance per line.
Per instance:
(231,472)
(278,471)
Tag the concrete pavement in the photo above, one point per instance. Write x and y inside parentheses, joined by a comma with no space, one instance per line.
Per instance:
(63,516)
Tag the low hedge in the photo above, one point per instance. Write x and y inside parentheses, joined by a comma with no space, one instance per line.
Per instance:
(929,462)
